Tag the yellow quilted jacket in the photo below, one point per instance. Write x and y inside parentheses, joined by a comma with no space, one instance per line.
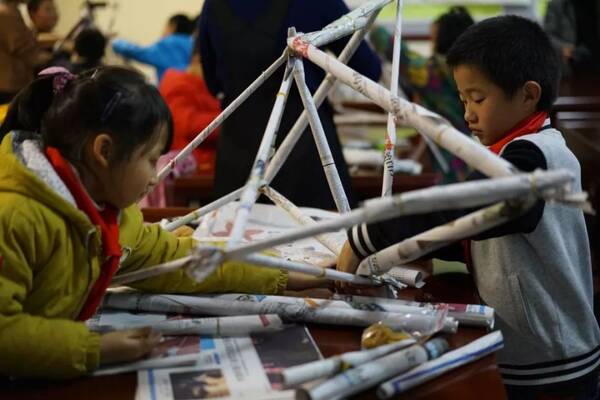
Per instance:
(49,260)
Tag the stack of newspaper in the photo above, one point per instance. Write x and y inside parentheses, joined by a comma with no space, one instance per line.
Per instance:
(201,367)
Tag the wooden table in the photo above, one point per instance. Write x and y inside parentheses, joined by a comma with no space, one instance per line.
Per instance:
(477,380)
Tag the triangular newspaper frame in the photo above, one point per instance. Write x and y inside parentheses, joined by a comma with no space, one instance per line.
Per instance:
(511,191)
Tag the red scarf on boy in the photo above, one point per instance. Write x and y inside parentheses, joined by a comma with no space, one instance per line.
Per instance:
(529,125)
(105,219)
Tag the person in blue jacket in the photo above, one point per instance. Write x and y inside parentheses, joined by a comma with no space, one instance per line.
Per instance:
(238,39)
(173,50)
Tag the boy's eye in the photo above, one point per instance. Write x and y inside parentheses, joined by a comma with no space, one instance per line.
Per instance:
(478,101)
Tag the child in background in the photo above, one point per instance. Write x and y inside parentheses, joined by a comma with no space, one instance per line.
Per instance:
(193,107)
(76,154)
(89,48)
(173,50)
(534,270)
(428,81)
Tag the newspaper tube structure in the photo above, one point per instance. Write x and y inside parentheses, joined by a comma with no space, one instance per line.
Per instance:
(551,185)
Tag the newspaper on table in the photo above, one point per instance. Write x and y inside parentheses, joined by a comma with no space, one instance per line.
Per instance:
(473,351)
(340,302)
(266,220)
(246,367)
(195,367)
(215,326)
(417,323)
(466,314)
(364,376)
(299,374)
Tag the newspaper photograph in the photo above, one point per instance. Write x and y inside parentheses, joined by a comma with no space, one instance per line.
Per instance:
(267,220)
(220,368)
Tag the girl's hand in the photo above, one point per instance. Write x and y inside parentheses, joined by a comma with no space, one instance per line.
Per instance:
(128,345)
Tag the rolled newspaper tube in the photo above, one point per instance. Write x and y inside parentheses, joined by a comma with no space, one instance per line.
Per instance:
(299,374)
(187,150)
(301,123)
(426,122)
(447,197)
(369,374)
(250,193)
(425,372)
(466,314)
(290,139)
(152,363)
(417,246)
(347,24)
(390,137)
(221,326)
(329,167)
(409,277)
(280,200)
(325,273)
(449,324)
(202,211)
(416,324)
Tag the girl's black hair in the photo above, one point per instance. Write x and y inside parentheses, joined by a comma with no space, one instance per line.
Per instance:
(113,100)
(450,26)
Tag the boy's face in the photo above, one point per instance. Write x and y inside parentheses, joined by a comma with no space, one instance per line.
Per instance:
(489,112)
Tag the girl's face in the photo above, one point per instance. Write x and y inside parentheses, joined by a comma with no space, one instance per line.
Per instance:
(130,180)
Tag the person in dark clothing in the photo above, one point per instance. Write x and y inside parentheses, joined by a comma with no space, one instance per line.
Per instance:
(575,32)
(238,39)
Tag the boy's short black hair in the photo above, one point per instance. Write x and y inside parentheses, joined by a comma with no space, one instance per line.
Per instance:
(510,51)
(450,26)
(90,44)
(182,24)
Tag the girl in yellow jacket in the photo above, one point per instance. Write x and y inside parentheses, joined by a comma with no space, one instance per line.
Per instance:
(76,154)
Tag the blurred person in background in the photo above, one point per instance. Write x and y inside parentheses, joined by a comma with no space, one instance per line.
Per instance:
(173,50)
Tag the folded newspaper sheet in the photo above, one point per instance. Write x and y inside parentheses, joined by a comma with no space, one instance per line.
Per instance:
(232,368)
(267,220)
(415,323)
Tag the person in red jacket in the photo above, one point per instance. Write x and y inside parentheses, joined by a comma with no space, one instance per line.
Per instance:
(193,108)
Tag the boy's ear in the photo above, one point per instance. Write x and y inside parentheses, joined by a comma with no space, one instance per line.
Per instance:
(103,149)
(532,91)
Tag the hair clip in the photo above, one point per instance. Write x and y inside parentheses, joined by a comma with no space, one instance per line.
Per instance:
(110,106)
(61,75)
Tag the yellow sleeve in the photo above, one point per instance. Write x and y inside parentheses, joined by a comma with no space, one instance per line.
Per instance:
(149,245)
(33,346)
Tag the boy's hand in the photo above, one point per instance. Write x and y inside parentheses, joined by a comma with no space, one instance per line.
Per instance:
(128,345)
(347,261)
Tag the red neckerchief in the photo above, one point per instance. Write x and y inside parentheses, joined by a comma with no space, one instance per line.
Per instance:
(531,124)
(109,228)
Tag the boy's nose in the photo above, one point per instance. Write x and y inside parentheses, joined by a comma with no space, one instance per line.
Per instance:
(469,115)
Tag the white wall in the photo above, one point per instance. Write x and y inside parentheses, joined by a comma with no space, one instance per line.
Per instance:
(141,21)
